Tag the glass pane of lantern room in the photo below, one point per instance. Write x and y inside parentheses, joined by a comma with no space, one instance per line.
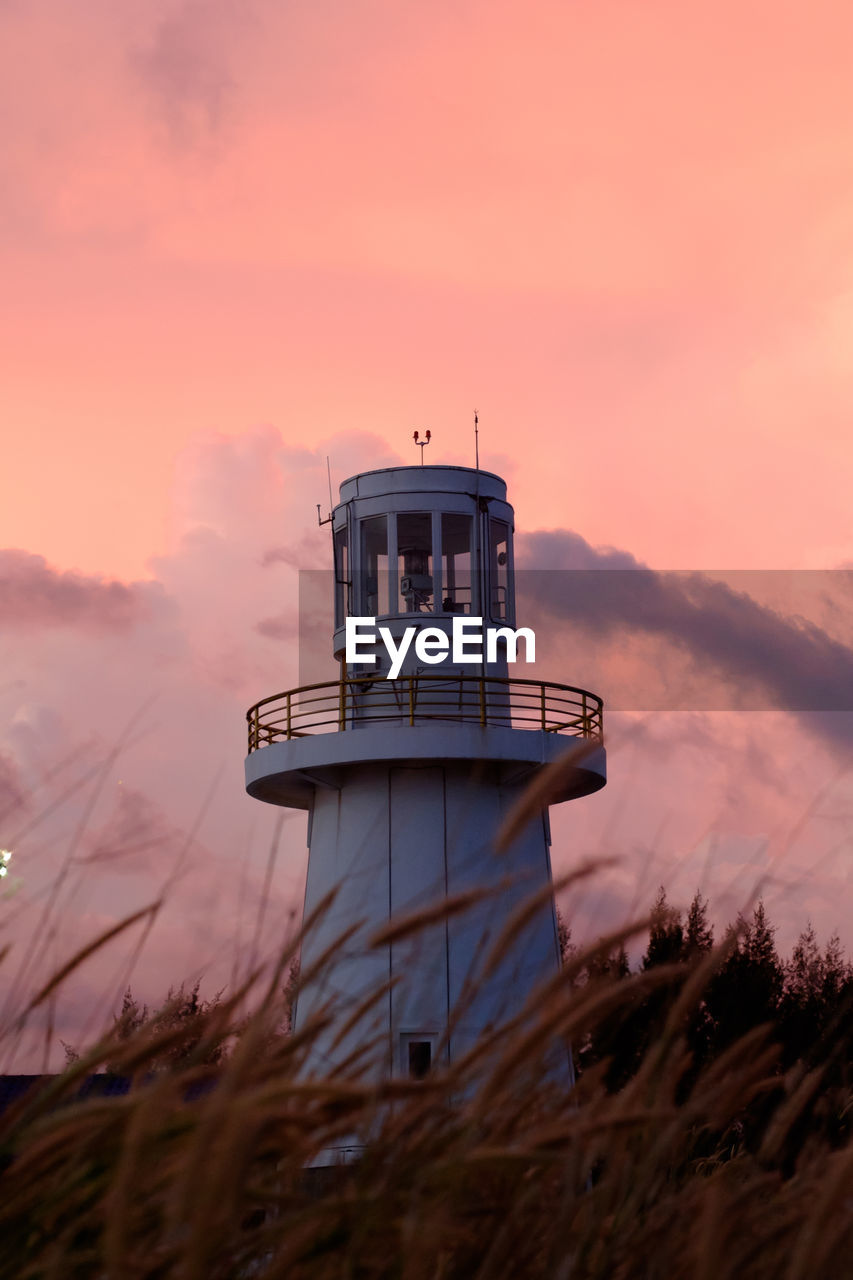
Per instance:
(498,567)
(456,563)
(414,553)
(374,566)
(341,576)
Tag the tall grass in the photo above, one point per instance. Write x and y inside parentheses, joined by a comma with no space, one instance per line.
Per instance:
(486,1168)
(483,1169)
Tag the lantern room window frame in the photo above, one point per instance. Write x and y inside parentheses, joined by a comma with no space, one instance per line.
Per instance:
(490,591)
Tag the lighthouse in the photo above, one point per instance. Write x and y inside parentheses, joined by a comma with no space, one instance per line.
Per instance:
(408,764)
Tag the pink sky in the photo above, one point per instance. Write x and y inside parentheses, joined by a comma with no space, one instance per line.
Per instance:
(237,237)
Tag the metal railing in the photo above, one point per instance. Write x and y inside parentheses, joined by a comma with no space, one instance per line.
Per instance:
(485,700)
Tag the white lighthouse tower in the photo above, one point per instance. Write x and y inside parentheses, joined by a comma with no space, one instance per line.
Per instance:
(406,780)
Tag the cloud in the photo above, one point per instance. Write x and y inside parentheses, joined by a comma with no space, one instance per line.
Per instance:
(136,834)
(564,549)
(122,720)
(34,594)
(283,627)
(737,651)
(693,781)
(185,66)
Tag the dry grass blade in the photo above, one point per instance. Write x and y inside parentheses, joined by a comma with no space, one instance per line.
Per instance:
(603,947)
(333,950)
(562,1015)
(829,1227)
(486,1169)
(76,960)
(789,1112)
(530,908)
(740,1072)
(359,1014)
(453,905)
(689,996)
(549,783)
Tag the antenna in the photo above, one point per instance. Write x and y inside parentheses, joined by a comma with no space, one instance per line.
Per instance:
(328,519)
(479,539)
(422,444)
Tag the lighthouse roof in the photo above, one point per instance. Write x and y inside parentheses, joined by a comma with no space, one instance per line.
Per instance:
(416,479)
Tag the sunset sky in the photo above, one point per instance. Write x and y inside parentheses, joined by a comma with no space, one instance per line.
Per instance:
(236,238)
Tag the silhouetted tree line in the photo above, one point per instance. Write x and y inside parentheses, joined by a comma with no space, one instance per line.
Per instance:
(178,1031)
(796,1012)
(804,1004)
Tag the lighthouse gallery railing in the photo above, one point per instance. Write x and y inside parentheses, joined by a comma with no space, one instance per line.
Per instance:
(350,704)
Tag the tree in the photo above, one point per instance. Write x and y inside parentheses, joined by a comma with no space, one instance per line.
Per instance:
(666,934)
(760,946)
(612,965)
(623,1036)
(183,1012)
(837,971)
(804,971)
(762,967)
(699,934)
(745,992)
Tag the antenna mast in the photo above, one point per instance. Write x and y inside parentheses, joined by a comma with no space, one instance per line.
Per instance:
(479,539)
(328,519)
(422,444)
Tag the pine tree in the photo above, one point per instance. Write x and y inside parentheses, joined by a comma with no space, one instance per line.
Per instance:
(698,941)
(804,972)
(624,1037)
(745,992)
(762,963)
(814,1000)
(612,965)
(699,934)
(666,934)
(837,971)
